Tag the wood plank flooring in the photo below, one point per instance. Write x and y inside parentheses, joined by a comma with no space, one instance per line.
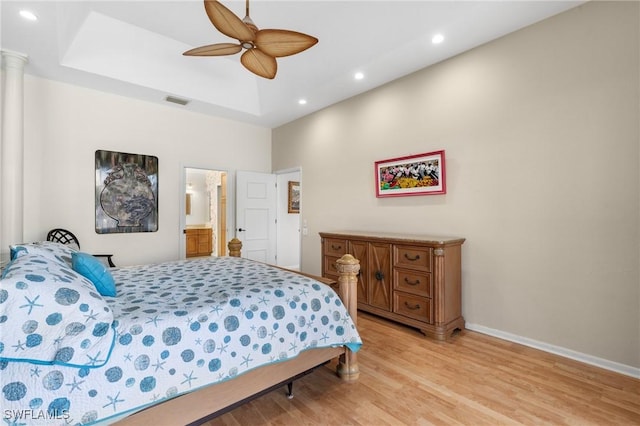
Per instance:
(473,379)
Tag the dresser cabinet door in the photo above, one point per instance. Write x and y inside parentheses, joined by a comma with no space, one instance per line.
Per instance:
(360,250)
(379,276)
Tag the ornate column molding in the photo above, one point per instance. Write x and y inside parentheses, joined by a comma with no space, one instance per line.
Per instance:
(15,59)
(12,152)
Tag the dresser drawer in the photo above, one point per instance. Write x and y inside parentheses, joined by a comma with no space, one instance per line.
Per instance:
(418,258)
(411,306)
(418,283)
(329,268)
(335,247)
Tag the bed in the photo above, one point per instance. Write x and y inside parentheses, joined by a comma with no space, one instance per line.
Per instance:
(170,343)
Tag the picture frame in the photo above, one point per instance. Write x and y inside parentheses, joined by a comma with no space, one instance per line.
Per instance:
(421,174)
(126,192)
(294,197)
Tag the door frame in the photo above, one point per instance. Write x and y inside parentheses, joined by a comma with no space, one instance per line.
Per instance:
(297,169)
(231,202)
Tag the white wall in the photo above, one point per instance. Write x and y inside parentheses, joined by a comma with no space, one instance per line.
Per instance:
(66,124)
(541,134)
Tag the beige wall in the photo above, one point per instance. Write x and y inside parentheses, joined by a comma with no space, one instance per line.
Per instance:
(541,136)
(66,124)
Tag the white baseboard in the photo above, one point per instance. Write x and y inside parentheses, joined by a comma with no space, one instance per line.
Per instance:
(567,353)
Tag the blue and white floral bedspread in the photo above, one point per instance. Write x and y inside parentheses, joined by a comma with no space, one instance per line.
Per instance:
(180,326)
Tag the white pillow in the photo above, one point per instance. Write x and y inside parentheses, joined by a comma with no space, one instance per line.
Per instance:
(55,251)
(49,314)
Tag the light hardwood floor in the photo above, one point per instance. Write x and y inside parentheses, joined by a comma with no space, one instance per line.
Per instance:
(473,379)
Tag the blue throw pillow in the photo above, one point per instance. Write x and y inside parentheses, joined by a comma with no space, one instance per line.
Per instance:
(95,271)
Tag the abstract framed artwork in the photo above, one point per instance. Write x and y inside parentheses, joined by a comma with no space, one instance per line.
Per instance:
(126,196)
(294,197)
(421,174)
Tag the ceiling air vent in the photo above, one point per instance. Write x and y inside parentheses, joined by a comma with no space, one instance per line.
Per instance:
(175,100)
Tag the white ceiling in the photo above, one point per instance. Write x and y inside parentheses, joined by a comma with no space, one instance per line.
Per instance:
(134,48)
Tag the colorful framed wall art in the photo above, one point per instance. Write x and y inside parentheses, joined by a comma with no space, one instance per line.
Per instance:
(422,174)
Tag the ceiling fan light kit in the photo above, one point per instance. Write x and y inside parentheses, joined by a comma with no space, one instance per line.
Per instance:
(262,47)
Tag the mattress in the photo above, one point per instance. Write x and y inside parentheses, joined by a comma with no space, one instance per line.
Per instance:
(179,326)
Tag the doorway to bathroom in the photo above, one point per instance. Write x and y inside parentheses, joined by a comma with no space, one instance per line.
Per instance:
(206,205)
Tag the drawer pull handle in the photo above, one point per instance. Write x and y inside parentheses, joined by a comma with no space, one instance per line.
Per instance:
(416,282)
(412,259)
(335,247)
(413,308)
(379,275)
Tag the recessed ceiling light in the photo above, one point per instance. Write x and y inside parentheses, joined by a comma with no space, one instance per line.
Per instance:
(358,76)
(437,39)
(302,101)
(28,15)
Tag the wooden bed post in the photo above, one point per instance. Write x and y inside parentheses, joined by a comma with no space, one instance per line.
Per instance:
(235,245)
(348,268)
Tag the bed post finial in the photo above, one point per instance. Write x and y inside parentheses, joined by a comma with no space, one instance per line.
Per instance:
(235,245)
(348,268)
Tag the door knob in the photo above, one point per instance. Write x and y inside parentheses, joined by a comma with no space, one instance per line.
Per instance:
(241,230)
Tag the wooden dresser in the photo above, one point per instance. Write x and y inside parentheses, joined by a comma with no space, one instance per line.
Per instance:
(199,241)
(412,279)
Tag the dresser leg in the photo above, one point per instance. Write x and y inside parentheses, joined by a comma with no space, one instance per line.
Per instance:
(444,332)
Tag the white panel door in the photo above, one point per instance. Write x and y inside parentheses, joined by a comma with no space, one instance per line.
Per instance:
(256,215)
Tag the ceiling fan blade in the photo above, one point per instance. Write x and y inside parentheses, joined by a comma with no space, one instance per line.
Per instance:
(279,43)
(226,22)
(259,63)
(218,49)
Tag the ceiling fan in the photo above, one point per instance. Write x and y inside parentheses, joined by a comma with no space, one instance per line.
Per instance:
(262,46)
